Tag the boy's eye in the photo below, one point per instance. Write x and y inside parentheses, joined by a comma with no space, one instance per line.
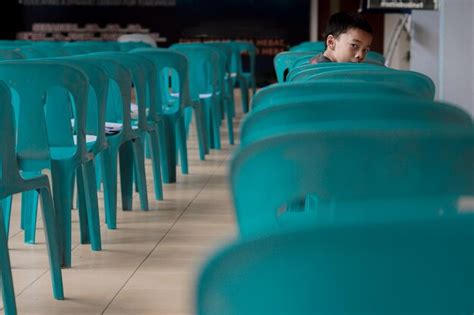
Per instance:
(355,46)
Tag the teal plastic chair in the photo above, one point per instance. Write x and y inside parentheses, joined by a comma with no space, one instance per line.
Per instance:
(284,61)
(44,124)
(317,90)
(245,79)
(143,74)
(124,136)
(9,54)
(11,182)
(408,79)
(330,111)
(227,86)
(300,73)
(357,173)
(204,87)
(96,143)
(410,267)
(172,130)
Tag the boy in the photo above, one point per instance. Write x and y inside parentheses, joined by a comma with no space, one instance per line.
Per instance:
(348,39)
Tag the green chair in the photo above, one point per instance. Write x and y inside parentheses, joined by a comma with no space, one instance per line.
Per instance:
(408,267)
(11,182)
(407,79)
(96,143)
(299,73)
(245,79)
(329,111)
(121,137)
(143,73)
(225,51)
(283,61)
(204,86)
(171,108)
(357,172)
(299,92)
(44,124)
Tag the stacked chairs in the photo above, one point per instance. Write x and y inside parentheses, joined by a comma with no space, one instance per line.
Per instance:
(286,61)
(11,182)
(347,180)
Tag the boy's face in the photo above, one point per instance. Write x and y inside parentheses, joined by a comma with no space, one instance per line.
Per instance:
(351,46)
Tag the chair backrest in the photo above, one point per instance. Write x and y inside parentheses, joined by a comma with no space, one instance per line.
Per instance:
(9,173)
(284,61)
(165,59)
(244,48)
(288,60)
(408,79)
(97,99)
(296,92)
(302,72)
(10,54)
(203,67)
(423,267)
(143,74)
(358,173)
(118,96)
(34,84)
(333,110)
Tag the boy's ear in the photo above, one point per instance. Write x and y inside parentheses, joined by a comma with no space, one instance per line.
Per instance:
(330,41)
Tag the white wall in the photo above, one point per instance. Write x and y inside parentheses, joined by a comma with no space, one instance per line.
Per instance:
(442,47)
(400,57)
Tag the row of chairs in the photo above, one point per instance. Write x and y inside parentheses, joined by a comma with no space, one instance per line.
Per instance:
(347,187)
(70,108)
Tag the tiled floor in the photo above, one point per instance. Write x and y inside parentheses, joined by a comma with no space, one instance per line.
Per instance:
(150,263)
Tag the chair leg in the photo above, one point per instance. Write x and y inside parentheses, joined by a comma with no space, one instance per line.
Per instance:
(154,148)
(7,210)
(109,171)
(29,211)
(7,280)
(164,151)
(170,151)
(181,144)
(126,175)
(92,204)
(215,123)
(201,132)
(245,94)
(207,114)
(52,243)
(230,123)
(62,183)
(139,168)
(81,207)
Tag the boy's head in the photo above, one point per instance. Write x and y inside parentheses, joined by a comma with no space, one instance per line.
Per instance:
(348,37)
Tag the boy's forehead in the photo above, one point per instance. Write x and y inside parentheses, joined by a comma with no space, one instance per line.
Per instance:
(359,35)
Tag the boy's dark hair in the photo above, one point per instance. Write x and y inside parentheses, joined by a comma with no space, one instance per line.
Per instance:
(341,22)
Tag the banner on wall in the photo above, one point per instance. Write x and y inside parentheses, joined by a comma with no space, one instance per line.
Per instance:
(403,4)
(272,25)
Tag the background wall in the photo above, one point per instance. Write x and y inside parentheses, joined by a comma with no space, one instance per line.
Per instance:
(442,47)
